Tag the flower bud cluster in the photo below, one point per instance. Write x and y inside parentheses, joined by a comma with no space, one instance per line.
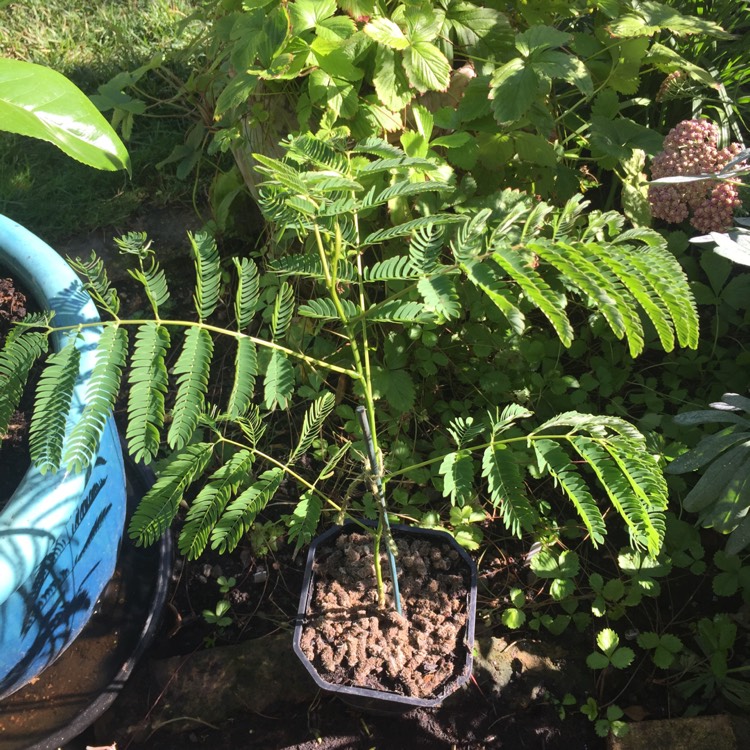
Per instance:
(692,148)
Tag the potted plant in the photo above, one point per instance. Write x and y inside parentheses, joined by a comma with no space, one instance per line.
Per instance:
(59,531)
(368,244)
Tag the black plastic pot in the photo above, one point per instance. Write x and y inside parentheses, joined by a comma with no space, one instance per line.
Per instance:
(382,701)
(68,696)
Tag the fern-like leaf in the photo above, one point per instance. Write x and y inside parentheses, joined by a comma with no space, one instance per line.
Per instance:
(397,268)
(535,288)
(304,520)
(279,381)
(245,372)
(307,147)
(251,424)
(192,370)
(21,350)
(464,429)
(630,270)
(425,247)
(315,416)
(101,393)
(207,273)
(324,309)
(97,282)
(607,292)
(440,295)
(406,229)
(158,507)
(396,162)
(308,266)
(401,189)
(486,277)
(469,240)
(154,282)
(208,506)
(554,459)
(457,470)
(283,309)
(377,147)
(241,512)
(394,311)
(505,484)
(54,393)
(248,291)
(148,381)
(618,488)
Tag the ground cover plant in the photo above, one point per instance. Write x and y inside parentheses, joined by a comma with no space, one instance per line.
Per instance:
(492,260)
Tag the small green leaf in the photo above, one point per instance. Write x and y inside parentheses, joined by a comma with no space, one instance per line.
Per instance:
(622,658)
(597,660)
(513,618)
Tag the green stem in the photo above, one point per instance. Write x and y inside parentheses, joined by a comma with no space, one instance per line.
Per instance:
(312,361)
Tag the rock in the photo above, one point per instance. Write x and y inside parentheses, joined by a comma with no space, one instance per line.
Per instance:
(696,733)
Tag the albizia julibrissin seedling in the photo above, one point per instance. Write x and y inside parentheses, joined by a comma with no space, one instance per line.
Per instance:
(692,148)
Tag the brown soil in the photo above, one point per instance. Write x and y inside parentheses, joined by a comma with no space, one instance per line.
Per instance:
(351,641)
(14,456)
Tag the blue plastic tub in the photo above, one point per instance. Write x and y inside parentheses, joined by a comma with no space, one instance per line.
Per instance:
(60,532)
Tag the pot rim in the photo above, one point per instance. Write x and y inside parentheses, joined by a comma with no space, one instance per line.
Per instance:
(30,528)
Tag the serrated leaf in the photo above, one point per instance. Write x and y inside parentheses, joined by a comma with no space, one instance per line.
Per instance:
(387,32)
(426,67)
(390,81)
(514,88)
(513,618)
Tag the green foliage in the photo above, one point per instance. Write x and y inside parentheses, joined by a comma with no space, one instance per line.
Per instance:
(41,103)
(721,496)
(610,653)
(21,349)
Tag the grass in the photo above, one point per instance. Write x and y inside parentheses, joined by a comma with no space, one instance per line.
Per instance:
(90,43)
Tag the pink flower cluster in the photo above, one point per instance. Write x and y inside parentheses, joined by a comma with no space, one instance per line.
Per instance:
(692,148)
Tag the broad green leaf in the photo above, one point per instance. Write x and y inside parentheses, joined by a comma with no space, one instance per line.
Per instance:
(386,32)
(514,88)
(554,64)
(427,67)
(540,38)
(390,81)
(306,14)
(39,102)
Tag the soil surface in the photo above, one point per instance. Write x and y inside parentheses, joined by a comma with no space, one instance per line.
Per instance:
(352,641)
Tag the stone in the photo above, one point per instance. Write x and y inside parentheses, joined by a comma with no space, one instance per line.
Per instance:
(694,733)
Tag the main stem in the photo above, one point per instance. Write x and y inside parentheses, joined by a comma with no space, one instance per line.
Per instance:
(361,360)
